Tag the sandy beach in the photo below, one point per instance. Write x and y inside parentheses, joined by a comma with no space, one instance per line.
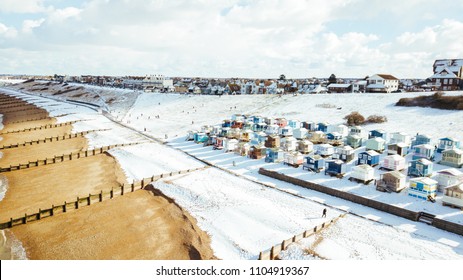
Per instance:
(140,225)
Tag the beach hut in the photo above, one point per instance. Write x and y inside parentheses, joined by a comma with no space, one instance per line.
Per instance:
(238,117)
(335,168)
(207,128)
(376,144)
(310,126)
(224,131)
(272,129)
(448,177)
(423,151)
(288,144)
(345,153)
(420,168)
(191,135)
(400,137)
(377,133)
(274,155)
(333,136)
(317,137)
(281,122)
(370,157)
(305,146)
(226,123)
(453,196)
(257,151)
(294,124)
(362,173)
(200,137)
(286,131)
(300,133)
(423,188)
(356,130)
(237,124)
(242,148)
(447,143)
(393,162)
(421,139)
(273,141)
(314,163)
(259,127)
(260,136)
(392,181)
(210,141)
(218,145)
(246,135)
(270,121)
(400,149)
(325,150)
(354,141)
(342,129)
(453,158)
(293,159)
(258,119)
(248,125)
(323,126)
(229,145)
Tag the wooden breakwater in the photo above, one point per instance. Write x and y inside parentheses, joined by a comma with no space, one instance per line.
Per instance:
(66,157)
(42,127)
(391,209)
(273,252)
(51,139)
(80,202)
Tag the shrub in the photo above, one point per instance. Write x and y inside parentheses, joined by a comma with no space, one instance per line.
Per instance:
(376,119)
(354,118)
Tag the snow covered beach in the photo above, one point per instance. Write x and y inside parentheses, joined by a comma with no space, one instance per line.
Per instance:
(209,195)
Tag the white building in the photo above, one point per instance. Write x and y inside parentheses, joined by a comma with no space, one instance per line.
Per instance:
(382,83)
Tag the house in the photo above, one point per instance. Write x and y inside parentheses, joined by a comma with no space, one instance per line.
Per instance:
(248,125)
(200,137)
(317,137)
(238,117)
(293,158)
(400,137)
(259,126)
(382,83)
(324,150)
(421,139)
(272,129)
(447,143)
(211,140)
(229,145)
(423,151)
(245,135)
(226,123)
(314,163)
(448,177)
(224,132)
(286,131)
(300,133)
(257,119)
(453,196)
(339,128)
(400,149)
(274,155)
(339,88)
(423,188)
(273,141)
(420,168)
(345,153)
(354,141)
(207,128)
(294,124)
(393,181)
(311,126)
(281,122)
(237,124)
(305,146)
(335,168)
(257,151)
(376,144)
(259,137)
(452,158)
(234,133)
(370,157)
(443,68)
(242,148)
(323,127)
(377,133)
(393,162)
(362,173)
(288,144)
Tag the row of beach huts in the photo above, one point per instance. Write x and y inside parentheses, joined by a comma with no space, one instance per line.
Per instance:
(332,148)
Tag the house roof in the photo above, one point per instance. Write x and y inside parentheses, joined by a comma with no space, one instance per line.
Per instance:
(426,146)
(451,171)
(387,77)
(444,73)
(377,139)
(394,157)
(456,188)
(424,161)
(424,180)
(371,153)
(449,139)
(454,151)
(365,167)
(339,85)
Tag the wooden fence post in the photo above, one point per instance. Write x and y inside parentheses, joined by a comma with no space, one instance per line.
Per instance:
(101,196)
(39,215)
(111,193)
(122,190)
(10,223)
(52,210)
(25,219)
(64,207)
(89,199)
(77,203)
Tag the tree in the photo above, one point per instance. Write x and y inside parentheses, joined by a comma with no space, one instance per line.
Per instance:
(332,79)
(354,118)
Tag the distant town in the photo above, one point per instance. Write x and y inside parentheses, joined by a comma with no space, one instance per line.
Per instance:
(447,76)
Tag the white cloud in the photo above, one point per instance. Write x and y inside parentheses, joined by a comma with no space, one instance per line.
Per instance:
(29,25)
(7,32)
(21,6)
(60,15)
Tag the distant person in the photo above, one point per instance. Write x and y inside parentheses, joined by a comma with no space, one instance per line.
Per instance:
(324,213)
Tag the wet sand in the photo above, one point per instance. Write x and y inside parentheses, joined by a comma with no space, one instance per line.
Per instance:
(140,225)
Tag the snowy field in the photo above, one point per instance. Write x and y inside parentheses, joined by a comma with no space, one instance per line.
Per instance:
(244,218)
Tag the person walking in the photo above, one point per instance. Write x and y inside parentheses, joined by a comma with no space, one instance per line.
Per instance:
(324,213)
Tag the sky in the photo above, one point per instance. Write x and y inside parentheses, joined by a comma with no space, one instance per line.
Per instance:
(229,38)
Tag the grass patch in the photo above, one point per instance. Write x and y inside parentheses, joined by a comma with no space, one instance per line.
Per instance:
(438,100)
